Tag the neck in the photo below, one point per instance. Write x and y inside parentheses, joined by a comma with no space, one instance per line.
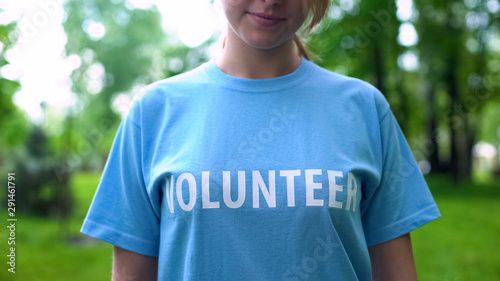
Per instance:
(241,60)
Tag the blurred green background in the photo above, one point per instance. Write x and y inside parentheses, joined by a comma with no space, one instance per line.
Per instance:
(437,62)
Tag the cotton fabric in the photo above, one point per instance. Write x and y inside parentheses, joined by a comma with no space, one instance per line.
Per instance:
(287,178)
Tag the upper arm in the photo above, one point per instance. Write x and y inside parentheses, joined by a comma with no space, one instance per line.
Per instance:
(393,260)
(131,266)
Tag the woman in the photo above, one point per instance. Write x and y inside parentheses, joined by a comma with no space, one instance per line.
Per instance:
(260,165)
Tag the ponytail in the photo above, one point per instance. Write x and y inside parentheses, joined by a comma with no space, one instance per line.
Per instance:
(301,49)
(317,10)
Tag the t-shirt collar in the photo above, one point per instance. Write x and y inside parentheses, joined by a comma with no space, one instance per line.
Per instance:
(258,85)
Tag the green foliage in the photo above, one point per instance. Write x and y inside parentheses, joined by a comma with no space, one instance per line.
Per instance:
(360,41)
(454,83)
(14,124)
(133,53)
(491,127)
(126,51)
(44,191)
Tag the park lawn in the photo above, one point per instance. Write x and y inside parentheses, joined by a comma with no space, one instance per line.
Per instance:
(461,245)
(43,254)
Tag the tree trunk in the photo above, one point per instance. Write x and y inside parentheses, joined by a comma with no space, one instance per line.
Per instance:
(379,67)
(455,120)
(432,127)
(403,110)
(474,114)
(471,133)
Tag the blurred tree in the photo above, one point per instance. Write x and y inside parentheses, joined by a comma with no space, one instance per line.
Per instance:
(482,22)
(359,39)
(41,192)
(454,27)
(433,51)
(452,80)
(14,124)
(24,145)
(456,66)
(121,49)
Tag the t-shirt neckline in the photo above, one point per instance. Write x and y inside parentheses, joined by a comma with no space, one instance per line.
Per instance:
(258,85)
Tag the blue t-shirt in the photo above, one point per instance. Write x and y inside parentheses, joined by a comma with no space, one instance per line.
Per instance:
(288,178)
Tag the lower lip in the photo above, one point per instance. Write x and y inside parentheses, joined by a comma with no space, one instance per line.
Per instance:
(265,21)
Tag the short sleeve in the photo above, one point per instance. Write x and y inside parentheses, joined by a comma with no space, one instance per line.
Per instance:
(122,212)
(402,201)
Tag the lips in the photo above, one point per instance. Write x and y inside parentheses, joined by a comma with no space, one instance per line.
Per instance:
(266,20)
(267,16)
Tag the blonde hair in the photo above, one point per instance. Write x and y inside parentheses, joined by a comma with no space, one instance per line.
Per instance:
(315,11)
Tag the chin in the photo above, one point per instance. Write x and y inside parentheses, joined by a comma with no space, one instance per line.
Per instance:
(265,44)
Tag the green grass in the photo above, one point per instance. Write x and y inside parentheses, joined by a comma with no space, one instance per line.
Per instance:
(43,254)
(462,245)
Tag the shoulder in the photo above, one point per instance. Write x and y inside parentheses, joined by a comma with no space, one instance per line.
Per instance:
(156,98)
(179,84)
(346,87)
